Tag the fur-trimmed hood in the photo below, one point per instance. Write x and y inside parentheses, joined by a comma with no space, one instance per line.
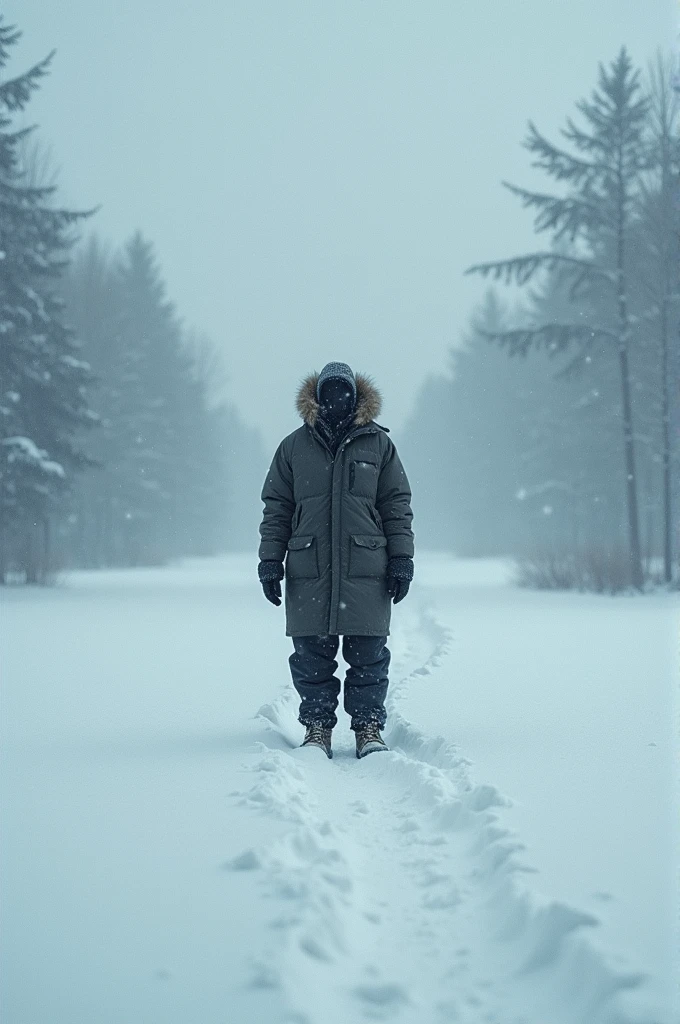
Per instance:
(369,400)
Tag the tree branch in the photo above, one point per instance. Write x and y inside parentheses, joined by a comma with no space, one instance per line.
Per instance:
(16,92)
(554,338)
(522,268)
(567,215)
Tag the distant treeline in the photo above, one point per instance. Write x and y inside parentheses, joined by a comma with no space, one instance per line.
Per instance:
(115,449)
(169,465)
(567,454)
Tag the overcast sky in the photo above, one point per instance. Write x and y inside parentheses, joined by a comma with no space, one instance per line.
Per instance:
(317,176)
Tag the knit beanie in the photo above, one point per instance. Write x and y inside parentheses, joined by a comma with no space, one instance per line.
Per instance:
(336,371)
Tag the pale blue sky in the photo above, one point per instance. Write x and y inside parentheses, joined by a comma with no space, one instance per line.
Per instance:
(317,176)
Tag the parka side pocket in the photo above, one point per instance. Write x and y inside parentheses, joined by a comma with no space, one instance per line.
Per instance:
(302,560)
(367,555)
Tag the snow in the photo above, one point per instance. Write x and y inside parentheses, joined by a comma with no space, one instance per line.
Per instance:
(26,450)
(75,364)
(170,854)
(37,300)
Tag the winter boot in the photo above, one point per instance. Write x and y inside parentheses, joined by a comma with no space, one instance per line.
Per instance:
(368,739)
(318,735)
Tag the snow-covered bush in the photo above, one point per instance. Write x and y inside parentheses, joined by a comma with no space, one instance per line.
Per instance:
(604,570)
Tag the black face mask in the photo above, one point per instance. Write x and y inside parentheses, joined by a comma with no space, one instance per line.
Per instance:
(336,401)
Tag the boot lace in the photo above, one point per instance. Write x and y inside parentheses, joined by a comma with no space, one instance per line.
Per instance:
(316,733)
(370,732)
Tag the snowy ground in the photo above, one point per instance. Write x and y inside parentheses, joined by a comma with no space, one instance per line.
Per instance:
(170,856)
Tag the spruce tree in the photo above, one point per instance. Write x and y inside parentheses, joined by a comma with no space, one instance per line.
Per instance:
(172,461)
(595,218)
(43,380)
(90,289)
(144,401)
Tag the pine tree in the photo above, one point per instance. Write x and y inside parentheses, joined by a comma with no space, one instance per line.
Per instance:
(90,289)
(596,218)
(580,425)
(143,406)
(499,489)
(43,397)
(173,464)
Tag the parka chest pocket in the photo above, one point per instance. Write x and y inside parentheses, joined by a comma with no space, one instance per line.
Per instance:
(367,555)
(363,475)
(302,560)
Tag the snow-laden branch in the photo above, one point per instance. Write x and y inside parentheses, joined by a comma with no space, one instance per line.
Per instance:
(25,451)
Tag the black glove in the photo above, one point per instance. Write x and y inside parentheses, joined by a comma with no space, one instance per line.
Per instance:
(270,574)
(399,576)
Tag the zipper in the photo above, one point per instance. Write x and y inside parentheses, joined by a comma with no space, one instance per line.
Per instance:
(349,437)
(336,520)
(335,577)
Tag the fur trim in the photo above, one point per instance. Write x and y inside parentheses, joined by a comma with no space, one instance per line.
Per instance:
(369,400)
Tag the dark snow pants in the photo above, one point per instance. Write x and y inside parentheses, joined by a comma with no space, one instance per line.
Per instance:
(313,665)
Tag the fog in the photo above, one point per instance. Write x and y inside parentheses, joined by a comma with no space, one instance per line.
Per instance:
(317,177)
(476,206)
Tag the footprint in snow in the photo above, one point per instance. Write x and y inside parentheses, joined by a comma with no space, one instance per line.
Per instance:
(312,947)
(409,824)
(284,921)
(246,861)
(431,876)
(442,900)
(484,796)
(339,881)
(437,840)
(448,1010)
(551,926)
(387,995)
(263,976)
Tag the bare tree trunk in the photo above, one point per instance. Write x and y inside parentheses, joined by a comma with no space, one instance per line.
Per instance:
(665,110)
(628,436)
(666,450)
(3,552)
(631,480)
(30,556)
(46,549)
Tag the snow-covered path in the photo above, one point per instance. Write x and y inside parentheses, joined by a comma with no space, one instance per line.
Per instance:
(170,854)
(398,894)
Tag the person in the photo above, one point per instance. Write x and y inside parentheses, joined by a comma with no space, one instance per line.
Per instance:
(337,508)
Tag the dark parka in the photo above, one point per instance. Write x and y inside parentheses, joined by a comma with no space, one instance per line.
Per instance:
(336,520)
